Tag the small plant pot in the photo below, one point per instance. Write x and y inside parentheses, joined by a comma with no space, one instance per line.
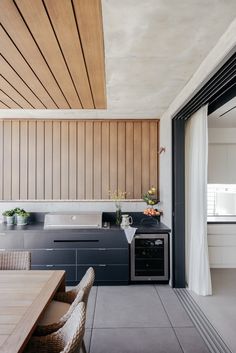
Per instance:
(10,220)
(21,220)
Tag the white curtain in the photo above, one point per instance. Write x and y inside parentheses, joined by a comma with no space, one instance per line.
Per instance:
(196,161)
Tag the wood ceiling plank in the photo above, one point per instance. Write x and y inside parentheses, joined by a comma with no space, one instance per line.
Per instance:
(67,34)
(11,92)
(13,23)
(8,101)
(11,76)
(13,56)
(89,20)
(3,106)
(37,20)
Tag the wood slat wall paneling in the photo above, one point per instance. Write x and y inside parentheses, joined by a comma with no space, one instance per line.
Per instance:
(145,156)
(56,49)
(7,171)
(81,160)
(48,160)
(138,160)
(97,145)
(32,160)
(56,164)
(72,159)
(105,160)
(121,156)
(15,160)
(23,160)
(63,160)
(89,173)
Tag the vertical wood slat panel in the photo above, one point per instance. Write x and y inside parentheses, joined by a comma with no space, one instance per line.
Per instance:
(48,160)
(40,160)
(7,174)
(15,160)
(121,156)
(81,160)
(97,177)
(153,154)
(105,160)
(77,160)
(89,160)
(113,157)
(64,160)
(137,160)
(1,161)
(56,167)
(32,178)
(129,160)
(145,157)
(72,159)
(23,160)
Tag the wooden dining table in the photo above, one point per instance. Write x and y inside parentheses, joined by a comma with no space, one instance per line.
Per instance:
(24,295)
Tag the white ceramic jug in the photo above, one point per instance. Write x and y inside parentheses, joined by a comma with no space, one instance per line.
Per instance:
(126,221)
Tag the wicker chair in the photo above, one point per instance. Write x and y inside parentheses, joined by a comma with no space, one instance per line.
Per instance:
(67,339)
(59,310)
(86,284)
(15,260)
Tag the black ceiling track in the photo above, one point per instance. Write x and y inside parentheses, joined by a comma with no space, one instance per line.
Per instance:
(220,88)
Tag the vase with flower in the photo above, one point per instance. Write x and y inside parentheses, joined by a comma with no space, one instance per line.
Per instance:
(117,196)
(151,199)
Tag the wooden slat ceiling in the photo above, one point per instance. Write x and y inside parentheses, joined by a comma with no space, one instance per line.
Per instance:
(51,54)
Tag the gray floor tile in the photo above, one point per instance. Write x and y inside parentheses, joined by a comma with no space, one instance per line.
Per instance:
(173,307)
(87,339)
(129,306)
(90,307)
(134,340)
(190,340)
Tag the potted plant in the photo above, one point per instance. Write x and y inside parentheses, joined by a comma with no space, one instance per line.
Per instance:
(9,216)
(21,216)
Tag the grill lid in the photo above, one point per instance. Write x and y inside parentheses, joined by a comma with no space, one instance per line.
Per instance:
(75,220)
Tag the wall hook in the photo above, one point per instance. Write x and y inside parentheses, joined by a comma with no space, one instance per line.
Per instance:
(161,149)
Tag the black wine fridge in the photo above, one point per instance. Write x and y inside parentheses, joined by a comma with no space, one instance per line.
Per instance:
(150,257)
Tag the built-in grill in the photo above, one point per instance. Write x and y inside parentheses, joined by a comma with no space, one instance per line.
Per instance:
(73,220)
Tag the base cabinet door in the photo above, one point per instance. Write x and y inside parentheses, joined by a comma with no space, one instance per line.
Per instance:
(106,273)
(70,271)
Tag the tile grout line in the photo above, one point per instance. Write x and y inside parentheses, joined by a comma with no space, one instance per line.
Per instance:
(155,287)
(95,303)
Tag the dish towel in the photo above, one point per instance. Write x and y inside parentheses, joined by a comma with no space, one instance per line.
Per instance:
(130,232)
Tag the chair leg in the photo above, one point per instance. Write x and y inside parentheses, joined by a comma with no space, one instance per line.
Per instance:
(83,348)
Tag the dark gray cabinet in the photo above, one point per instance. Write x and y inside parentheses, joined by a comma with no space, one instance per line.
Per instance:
(74,251)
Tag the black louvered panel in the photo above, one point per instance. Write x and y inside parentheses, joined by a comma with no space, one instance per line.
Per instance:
(222,83)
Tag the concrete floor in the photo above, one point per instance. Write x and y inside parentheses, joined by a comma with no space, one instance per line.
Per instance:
(139,319)
(220,308)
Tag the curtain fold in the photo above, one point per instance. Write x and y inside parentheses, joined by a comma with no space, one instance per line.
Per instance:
(196,161)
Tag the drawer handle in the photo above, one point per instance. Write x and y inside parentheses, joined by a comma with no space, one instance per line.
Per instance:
(77,241)
(102,265)
(49,265)
(49,249)
(102,249)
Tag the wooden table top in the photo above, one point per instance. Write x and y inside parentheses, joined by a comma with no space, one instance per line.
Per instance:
(23,297)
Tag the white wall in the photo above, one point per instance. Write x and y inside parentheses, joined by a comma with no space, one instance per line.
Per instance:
(222,156)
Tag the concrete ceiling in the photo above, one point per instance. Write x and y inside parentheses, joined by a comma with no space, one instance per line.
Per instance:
(152,48)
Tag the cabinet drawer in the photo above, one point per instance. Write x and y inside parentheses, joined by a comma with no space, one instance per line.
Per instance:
(11,241)
(70,270)
(49,239)
(53,257)
(106,273)
(102,256)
